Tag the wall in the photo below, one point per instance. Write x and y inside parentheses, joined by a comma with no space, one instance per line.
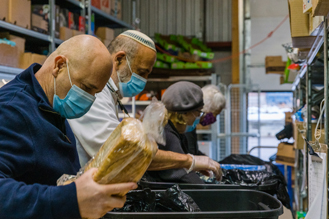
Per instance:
(185,17)
(265,16)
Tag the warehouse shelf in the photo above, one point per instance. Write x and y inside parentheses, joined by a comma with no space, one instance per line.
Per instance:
(10,70)
(104,19)
(318,42)
(23,31)
(58,41)
(70,3)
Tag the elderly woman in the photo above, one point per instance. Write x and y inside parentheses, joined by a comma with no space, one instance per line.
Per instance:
(184,101)
(214,103)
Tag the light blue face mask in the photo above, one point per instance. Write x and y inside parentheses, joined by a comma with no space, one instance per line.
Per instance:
(190,128)
(76,103)
(134,86)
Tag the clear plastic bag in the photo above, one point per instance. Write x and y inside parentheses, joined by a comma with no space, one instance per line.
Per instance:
(128,152)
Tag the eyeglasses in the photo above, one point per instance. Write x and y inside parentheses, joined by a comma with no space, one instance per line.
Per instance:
(201,113)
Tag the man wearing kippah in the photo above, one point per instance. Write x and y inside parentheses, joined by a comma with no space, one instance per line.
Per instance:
(133,56)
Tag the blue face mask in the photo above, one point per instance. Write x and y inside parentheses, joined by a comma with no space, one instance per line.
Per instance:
(76,103)
(134,86)
(190,128)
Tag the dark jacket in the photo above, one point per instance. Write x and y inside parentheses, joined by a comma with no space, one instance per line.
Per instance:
(177,143)
(192,143)
(37,146)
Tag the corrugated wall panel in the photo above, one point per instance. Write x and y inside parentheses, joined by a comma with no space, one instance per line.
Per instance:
(218,16)
(183,17)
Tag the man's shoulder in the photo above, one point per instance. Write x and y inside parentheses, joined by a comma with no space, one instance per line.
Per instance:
(15,96)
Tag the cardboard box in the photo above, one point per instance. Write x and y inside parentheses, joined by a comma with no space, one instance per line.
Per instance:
(65,33)
(281,79)
(314,23)
(288,117)
(96,3)
(307,6)
(106,6)
(298,20)
(106,42)
(320,7)
(76,32)
(20,42)
(116,9)
(4,10)
(9,55)
(299,25)
(286,154)
(274,65)
(39,24)
(105,33)
(36,58)
(27,59)
(298,132)
(19,13)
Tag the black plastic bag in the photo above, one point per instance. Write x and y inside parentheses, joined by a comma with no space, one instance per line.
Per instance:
(171,200)
(139,201)
(271,175)
(174,200)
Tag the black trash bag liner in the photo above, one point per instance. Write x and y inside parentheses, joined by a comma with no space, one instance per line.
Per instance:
(138,201)
(171,200)
(287,132)
(174,200)
(271,175)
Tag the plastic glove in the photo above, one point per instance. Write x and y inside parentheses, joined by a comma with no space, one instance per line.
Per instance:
(205,165)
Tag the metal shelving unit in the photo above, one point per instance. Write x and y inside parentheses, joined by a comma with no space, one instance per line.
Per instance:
(302,88)
(36,38)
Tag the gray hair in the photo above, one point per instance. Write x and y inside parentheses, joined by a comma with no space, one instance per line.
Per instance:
(121,43)
(213,99)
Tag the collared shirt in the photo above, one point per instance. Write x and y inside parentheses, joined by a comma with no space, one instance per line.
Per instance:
(37,146)
(94,128)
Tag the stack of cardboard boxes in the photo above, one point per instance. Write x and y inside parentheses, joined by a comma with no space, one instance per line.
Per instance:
(305,18)
(106,35)
(15,56)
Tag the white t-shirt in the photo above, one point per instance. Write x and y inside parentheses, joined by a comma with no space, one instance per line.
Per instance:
(93,129)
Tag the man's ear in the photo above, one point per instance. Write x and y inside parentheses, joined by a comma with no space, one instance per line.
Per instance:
(120,58)
(59,64)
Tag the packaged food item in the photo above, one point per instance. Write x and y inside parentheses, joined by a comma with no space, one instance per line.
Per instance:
(129,150)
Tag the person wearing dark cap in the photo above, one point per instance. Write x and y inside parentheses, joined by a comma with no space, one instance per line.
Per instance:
(184,101)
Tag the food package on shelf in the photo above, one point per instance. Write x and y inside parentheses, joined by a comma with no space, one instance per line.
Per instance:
(129,150)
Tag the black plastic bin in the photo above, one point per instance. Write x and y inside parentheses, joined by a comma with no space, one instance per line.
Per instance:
(269,188)
(223,203)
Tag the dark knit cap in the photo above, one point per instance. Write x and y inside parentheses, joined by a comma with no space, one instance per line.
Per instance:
(183,97)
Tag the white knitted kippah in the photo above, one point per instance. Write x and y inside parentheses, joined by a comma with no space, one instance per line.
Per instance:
(140,37)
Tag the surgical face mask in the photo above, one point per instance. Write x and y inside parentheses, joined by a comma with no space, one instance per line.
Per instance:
(208,119)
(134,86)
(190,128)
(76,103)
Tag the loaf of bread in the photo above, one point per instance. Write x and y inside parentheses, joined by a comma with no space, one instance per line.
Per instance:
(126,154)
(129,150)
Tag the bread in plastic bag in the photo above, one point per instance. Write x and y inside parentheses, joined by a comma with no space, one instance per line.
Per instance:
(129,150)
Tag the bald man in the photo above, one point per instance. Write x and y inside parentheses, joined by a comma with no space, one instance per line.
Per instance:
(37,145)
(133,55)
